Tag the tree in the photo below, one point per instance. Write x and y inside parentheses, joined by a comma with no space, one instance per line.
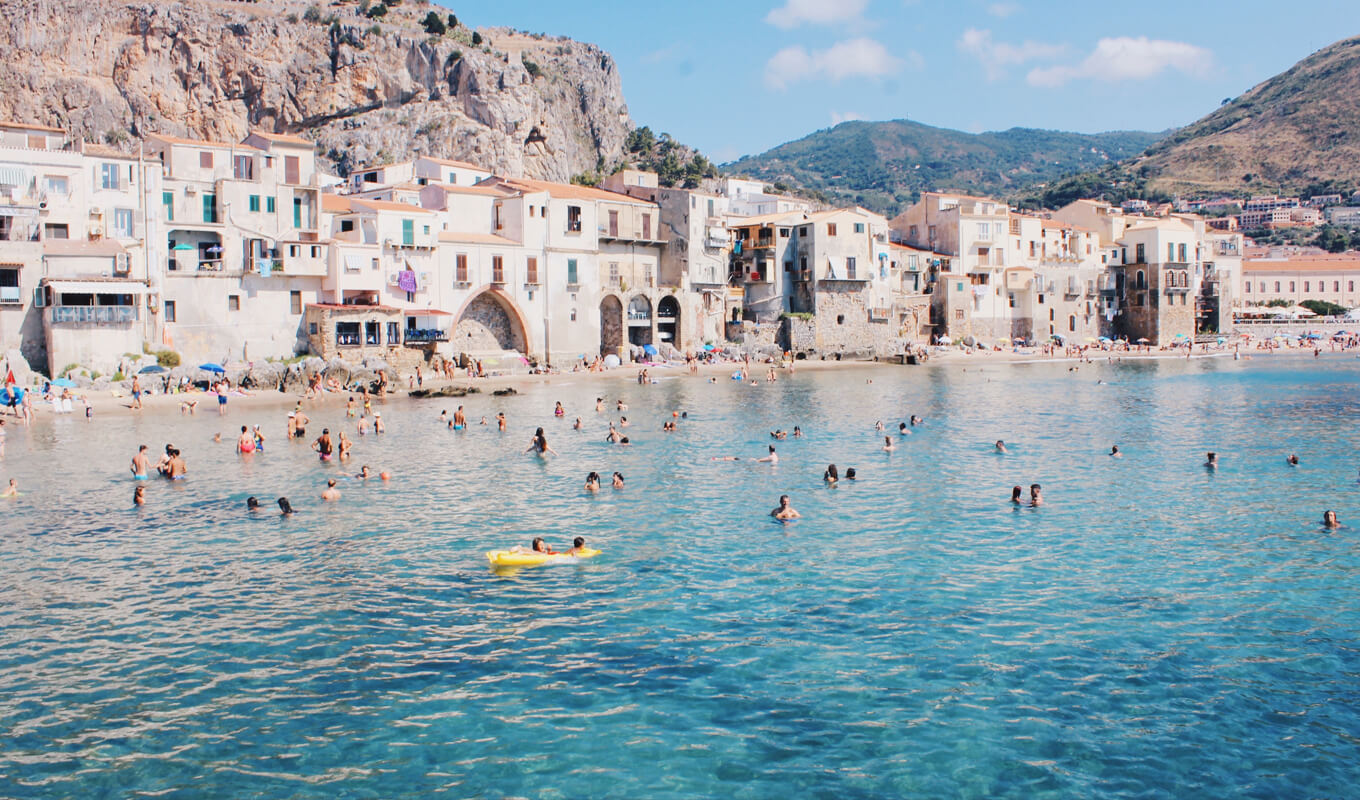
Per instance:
(476,39)
(380,10)
(312,14)
(641,140)
(433,24)
(1323,308)
(453,21)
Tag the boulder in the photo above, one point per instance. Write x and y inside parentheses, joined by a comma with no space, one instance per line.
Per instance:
(101,384)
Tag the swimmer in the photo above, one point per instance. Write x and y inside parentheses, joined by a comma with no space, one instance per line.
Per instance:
(140,464)
(331,492)
(1001,447)
(625,441)
(252,504)
(577,425)
(349,408)
(459,419)
(1211,461)
(797,432)
(613,436)
(345,446)
(378,423)
(363,473)
(784,511)
(771,458)
(536,546)
(323,447)
(139,496)
(618,480)
(12,490)
(217,438)
(902,429)
(578,545)
(1292,461)
(831,476)
(285,507)
(245,443)
(599,404)
(888,444)
(1114,451)
(1017,495)
(778,434)
(1330,521)
(850,474)
(623,422)
(915,420)
(621,406)
(593,482)
(1036,498)
(539,444)
(558,411)
(725,458)
(500,421)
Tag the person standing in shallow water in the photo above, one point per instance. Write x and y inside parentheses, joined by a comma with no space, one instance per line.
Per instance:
(784,511)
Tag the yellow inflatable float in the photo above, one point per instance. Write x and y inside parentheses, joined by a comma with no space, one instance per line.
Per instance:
(510,558)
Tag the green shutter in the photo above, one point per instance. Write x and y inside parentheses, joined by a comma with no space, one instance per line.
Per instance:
(269,204)
(209,208)
(297,212)
(571,271)
(408,231)
(168,198)
(254,202)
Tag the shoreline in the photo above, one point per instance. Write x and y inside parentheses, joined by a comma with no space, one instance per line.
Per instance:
(107,405)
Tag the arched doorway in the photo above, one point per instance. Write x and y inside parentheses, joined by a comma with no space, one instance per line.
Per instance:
(639,321)
(489,325)
(668,321)
(611,325)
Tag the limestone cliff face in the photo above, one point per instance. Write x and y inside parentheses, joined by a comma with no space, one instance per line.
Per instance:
(367,90)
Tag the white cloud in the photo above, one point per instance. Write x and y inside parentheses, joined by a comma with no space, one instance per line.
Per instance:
(848,59)
(997,58)
(837,117)
(1125,58)
(816,12)
(1003,10)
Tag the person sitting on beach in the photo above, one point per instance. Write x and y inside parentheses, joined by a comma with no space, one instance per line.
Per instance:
(888,446)
(771,458)
(593,482)
(539,444)
(831,476)
(1211,461)
(323,446)
(1035,495)
(285,507)
(618,480)
(1329,520)
(578,546)
(1001,447)
(784,511)
(1292,461)
(331,492)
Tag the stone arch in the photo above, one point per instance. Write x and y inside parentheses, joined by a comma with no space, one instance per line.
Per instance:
(611,325)
(489,322)
(639,320)
(668,320)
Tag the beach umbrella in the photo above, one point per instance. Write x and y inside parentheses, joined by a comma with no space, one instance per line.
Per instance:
(153,369)
(210,367)
(183,246)
(1106,339)
(1144,340)
(708,348)
(64,383)
(649,349)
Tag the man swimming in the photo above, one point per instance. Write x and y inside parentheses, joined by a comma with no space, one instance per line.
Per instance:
(331,492)
(1211,461)
(578,546)
(1036,498)
(772,458)
(1001,447)
(784,511)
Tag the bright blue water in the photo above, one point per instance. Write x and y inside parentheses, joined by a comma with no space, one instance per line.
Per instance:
(1154,631)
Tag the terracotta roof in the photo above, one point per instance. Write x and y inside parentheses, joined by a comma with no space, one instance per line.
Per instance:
(1300,265)
(1048,223)
(78,247)
(29,127)
(452,163)
(384,205)
(164,137)
(285,138)
(570,191)
(335,204)
(475,238)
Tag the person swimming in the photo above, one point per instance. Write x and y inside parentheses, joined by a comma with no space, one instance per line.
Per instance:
(252,504)
(771,458)
(593,482)
(578,546)
(539,444)
(784,511)
(363,473)
(245,443)
(285,507)
(558,410)
(888,445)
(1211,460)
(331,492)
(323,446)
(1036,498)
(797,432)
(850,474)
(536,546)
(618,480)
(1293,460)
(1330,521)
(1114,451)
(577,425)
(878,426)
(902,429)
(1017,495)
(1001,447)
(831,476)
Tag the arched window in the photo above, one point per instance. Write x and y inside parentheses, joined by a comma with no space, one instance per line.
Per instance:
(1140,280)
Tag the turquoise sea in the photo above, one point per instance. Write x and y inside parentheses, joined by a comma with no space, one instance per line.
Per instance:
(1154,630)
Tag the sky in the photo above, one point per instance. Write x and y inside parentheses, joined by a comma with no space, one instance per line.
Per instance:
(741,76)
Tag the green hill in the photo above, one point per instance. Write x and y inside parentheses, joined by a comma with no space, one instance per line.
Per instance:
(884,166)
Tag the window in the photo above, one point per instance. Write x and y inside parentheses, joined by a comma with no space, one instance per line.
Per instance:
(613,273)
(573,315)
(497,220)
(1140,279)
(242,168)
(1308,286)
(53,230)
(254,203)
(297,212)
(571,272)
(1181,252)
(1011,301)
(1336,286)
(316,251)
(1072,323)
(311,328)
(930,231)
(1277,286)
(613,223)
(784,233)
(859,227)
(209,208)
(205,159)
(531,270)
(233,302)
(295,302)
(646,226)
(108,176)
(122,223)
(9,286)
(958,314)
(1050,315)
(56,184)
(372,332)
(168,200)
(1033,248)
(460,268)
(532,209)
(1170,251)
(497,269)
(805,231)
(830,229)
(1350,286)
(169,310)
(269,205)
(370,177)
(393,333)
(347,334)
(290,169)
(294,250)
(573,219)
(850,268)
(427,230)
(984,230)
(346,225)
(408,231)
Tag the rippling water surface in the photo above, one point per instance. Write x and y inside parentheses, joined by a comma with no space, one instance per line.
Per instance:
(1154,630)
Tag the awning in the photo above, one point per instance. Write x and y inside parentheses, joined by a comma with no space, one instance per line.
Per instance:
(354,262)
(18,211)
(96,287)
(427,312)
(14,176)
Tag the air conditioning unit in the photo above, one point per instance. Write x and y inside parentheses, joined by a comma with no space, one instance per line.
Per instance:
(121,263)
(42,206)
(96,211)
(191,189)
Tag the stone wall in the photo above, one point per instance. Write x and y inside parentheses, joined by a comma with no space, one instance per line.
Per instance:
(844,326)
(486,327)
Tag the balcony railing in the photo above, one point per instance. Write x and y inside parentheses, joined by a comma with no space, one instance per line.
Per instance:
(94,314)
(425,336)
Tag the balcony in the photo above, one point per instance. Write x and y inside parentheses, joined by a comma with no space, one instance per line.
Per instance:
(10,295)
(93,315)
(639,317)
(417,336)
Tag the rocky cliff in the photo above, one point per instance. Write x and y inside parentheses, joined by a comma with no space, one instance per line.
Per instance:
(368,88)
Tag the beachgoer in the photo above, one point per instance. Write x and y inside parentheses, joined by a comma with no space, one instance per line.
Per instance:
(539,444)
(139,495)
(344,447)
(1293,460)
(613,436)
(331,492)
(136,392)
(500,421)
(558,411)
(771,458)
(363,473)
(850,474)
(1329,520)
(378,426)
(618,480)
(599,404)
(252,504)
(139,465)
(831,476)
(622,406)
(878,426)
(349,408)
(1017,495)
(1001,446)
(12,490)
(323,446)
(221,388)
(285,507)
(593,482)
(459,419)
(1211,461)
(797,432)
(245,443)
(578,424)
(784,511)
(1114,451)
(888,445)
(1035,495)
(578,545)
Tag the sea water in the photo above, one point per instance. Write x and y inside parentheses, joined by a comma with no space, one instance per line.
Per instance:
(1155,630)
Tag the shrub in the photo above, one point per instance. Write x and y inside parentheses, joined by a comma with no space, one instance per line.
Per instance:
(433,24)
(1323,308)
(476,39)
(68,369)
(292,19)
(312,14)
(453,22)
(380,10)
(119,376)
(375,30)
(529,66)
(167,358)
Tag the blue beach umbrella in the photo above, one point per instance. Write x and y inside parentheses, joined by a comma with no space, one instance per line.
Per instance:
(212,368)
(649,349)
(153,369)
(64,383)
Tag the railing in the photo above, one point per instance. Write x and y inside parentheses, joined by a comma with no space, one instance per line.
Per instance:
(94,314)
(348,339)
(639,316)
(10,294)
(210,266)
(425,336)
